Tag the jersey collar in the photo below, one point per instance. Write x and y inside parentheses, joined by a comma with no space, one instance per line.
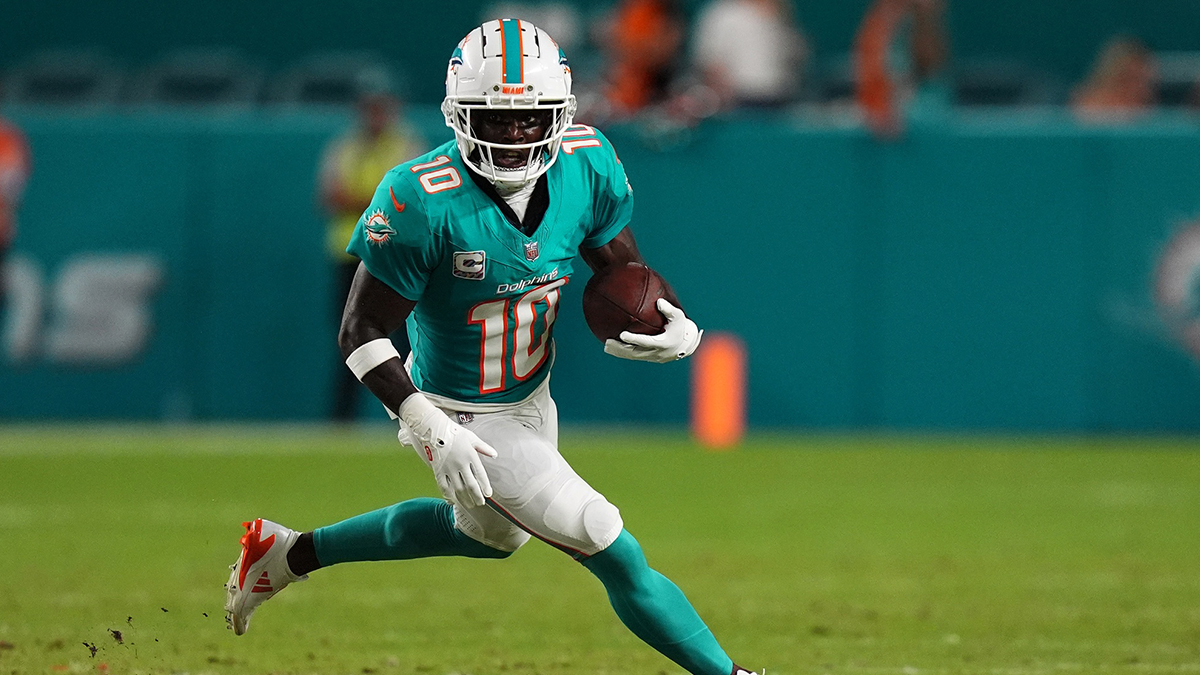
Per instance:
(539,202)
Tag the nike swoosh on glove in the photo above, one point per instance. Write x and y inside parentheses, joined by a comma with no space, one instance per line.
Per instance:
(679,339)
(451,450)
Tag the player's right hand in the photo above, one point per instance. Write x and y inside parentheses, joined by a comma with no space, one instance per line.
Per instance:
(678,340)
(451,450)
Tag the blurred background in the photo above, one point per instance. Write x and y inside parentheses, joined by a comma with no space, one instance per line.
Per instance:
(941,215)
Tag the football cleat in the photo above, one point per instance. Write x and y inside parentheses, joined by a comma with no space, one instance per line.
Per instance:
(738,670)
(260,572)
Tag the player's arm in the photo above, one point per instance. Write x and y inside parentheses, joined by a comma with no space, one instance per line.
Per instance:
(373,311)
(622,249)
(680,336)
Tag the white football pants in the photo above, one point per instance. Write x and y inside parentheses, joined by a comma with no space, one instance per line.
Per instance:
(534,490)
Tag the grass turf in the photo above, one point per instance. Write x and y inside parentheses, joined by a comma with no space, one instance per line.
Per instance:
(805,554)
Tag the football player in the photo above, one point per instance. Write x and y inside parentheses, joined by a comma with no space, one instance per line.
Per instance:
(471,245)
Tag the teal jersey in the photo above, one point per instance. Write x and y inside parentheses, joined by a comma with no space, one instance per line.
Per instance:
(487,294)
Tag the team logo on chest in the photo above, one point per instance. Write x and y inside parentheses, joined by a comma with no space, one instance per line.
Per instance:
(469,264)
(531,251)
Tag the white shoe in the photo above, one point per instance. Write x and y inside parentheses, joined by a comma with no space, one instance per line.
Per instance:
(260,572)
(738,670)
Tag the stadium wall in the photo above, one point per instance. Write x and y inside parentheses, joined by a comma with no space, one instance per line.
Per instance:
(1017,273)
(1062,37)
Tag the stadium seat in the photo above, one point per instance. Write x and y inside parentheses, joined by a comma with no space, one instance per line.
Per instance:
(833,81)
(199,77)
(1179,79)
(1002,82)
(75,78)
(332,78)
(977,82)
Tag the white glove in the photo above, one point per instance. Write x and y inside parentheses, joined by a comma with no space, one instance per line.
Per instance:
(679,339)
(451,451)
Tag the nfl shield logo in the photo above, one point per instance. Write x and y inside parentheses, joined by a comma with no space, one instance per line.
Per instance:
(531,251)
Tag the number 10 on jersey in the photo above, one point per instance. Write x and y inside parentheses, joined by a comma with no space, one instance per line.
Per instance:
(515,348)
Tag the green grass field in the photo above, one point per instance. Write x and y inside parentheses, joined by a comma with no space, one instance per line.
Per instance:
(805,554)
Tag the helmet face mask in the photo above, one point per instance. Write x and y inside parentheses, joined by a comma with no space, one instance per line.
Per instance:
(508,139)
(508,65)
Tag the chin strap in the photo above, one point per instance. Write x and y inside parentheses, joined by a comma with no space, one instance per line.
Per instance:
(508,180)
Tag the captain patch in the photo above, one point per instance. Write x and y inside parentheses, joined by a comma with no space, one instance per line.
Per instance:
(469,264)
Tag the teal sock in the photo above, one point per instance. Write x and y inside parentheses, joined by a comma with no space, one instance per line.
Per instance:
(655,609)
(417,528)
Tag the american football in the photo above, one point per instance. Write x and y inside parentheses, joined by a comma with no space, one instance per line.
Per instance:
(622,298)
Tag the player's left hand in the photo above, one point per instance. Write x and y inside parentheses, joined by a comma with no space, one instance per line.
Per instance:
(679,339)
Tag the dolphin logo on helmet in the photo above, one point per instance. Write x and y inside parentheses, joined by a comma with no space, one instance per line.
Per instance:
(508,64)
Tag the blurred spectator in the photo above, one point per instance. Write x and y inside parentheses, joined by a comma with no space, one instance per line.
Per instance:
(351,168)
(1122,83)
(642,40)
(15,164)
(896,79)
(750,51)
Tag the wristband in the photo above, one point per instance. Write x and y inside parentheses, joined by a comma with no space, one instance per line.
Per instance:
(370,355)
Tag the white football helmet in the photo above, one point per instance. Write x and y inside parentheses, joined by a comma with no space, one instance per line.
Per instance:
(513,65)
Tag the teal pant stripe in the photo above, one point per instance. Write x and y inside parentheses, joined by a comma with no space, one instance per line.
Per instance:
(417,528)
(511,36)
(655,610)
